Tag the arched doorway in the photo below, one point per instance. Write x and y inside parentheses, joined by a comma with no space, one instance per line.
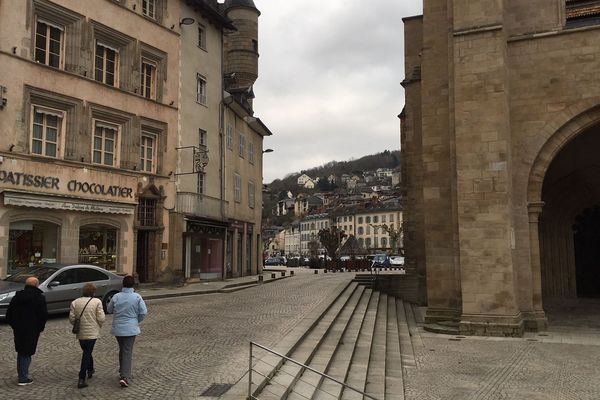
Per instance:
(569,225)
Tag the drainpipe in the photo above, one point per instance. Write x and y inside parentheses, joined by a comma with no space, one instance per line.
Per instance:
(222,155)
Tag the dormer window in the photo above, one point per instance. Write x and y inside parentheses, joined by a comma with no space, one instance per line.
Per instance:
(582,12)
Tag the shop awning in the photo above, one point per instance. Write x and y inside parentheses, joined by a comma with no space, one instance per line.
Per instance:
(27,199)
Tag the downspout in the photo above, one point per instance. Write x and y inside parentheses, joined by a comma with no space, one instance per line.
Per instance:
(222,157)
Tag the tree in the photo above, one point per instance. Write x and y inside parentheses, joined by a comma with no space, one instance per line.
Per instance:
(313,248)
(331,238)
(394,234)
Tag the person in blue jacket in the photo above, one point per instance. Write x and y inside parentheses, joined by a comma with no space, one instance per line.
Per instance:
(129,310)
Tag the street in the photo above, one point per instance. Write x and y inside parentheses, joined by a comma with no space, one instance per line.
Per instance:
(186,344)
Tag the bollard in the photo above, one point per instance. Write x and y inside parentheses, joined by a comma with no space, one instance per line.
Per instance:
(324,271)
(260,278)
(282,273)
(273,276)
(291,273)
(316,271)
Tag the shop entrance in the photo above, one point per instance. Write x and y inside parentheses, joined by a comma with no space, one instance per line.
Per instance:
(32,243)
(205,257)
(146,250)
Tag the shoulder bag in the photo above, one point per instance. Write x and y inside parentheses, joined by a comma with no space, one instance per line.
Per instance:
(77,321)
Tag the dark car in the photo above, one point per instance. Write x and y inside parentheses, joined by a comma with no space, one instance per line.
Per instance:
(271,261)
(381,261)
(61,284)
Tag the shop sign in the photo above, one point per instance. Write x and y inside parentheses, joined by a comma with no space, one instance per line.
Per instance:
(74,186)
(236,225)
(59,204)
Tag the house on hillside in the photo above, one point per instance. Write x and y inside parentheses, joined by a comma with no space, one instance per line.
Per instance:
(310,184)
(302,179)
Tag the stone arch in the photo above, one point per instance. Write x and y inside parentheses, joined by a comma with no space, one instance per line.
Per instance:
(108,221)
(559,131)
(18,215)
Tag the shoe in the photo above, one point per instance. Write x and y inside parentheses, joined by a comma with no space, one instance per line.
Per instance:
(26,382)
(123,382)
(81,384)
(90,374)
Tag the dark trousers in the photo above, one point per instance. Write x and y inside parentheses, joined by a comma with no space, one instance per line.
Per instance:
(125,355)
(87,360)
(23,363)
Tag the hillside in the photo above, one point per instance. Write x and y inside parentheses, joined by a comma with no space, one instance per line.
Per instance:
(386,159)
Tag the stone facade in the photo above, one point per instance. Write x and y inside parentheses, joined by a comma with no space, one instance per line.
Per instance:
(500,102)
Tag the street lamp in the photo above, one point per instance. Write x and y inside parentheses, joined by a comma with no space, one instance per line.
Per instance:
(267,151)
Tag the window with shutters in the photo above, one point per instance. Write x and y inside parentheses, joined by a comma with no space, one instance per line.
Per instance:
(237,188)
(229,136)
(242,149)
(47,132)
(251,152)
(105,144)
(149,8)
(49,44)
(251,194)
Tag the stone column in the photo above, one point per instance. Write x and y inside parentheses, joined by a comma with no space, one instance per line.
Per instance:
(535,320)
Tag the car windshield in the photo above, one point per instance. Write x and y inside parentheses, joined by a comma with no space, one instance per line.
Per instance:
(42,273)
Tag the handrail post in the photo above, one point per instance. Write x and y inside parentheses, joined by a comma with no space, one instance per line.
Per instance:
(250,374)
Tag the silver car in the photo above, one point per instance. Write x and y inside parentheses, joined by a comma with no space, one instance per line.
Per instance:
(61,284)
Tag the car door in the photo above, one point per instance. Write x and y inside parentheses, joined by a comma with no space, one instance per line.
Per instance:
(100,279)
(59,297)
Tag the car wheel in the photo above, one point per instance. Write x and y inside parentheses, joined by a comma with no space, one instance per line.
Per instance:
(107,299)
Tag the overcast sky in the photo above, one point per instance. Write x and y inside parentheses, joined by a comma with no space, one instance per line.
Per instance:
(329,79)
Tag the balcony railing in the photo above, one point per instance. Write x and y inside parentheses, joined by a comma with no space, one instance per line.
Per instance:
(200,205)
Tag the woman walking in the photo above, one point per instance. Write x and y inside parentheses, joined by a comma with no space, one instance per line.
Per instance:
(129,310)
(87,315)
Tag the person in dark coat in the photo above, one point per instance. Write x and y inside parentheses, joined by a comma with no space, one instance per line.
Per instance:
(27,314)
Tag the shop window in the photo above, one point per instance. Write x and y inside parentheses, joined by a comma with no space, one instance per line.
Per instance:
(147,212)
(31,243)
(148,153)
(46,132)
(98,246)
(49,44)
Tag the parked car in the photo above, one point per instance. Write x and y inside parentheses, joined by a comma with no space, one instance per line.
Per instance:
(381,261)
(61,284)
(397,261)
(273,261)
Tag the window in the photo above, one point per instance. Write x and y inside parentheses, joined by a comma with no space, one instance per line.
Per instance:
(251,195)
(202,138)
(361,230)
(368,220)
(375,219)
(147,212)
(383,242)
(237,188)
(383,220)
(360,220)
(376,242)
(105,144)
(148,153)
(48,44)
(391,217)
(242,145)
(582,12)
(229,138)
(46,132)
(200,89)
(251,152)
(368,229)
(149,8)
(148,81)
(201,182)
(107,64)
(98,246)
(91,275)
(202,37)
(69,277)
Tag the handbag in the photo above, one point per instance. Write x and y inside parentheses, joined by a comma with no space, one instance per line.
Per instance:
(77,322)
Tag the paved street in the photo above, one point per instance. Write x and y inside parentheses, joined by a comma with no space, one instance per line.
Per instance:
(186,343)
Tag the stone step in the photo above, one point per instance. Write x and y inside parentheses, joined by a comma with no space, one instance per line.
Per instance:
(394,382)
(309,381)
(339,366)
(278,386)
(415,337)
(406,346)
(443,329)
(359,362)
(375,384)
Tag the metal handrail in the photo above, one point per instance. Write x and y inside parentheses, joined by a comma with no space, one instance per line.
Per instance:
(251,396)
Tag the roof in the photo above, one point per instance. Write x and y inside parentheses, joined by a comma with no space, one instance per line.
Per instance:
(212,13)
(240,3)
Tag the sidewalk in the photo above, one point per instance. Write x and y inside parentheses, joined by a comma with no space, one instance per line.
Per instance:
(211,287)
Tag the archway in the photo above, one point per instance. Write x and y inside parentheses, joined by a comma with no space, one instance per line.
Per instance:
(569,225)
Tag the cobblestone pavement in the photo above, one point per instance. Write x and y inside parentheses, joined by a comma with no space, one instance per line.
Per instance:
(560,364)
(186,343)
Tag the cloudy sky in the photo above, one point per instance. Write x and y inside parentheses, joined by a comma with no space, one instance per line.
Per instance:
(329,79)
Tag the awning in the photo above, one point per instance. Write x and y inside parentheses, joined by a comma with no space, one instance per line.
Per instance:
(26,199)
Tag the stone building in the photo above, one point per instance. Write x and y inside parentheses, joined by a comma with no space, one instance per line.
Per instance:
(129,138)
(499,140)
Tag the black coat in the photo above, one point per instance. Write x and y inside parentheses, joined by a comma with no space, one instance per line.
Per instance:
(27,314)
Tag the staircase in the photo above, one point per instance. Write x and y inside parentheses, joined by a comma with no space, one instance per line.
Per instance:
(363,339)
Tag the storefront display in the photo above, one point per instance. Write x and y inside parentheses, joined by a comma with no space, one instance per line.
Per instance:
(98,246)
(31,243)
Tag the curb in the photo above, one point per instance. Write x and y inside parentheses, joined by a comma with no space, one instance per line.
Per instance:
(231,288)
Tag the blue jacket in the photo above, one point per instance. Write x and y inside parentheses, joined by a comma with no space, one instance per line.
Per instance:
(129,310)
